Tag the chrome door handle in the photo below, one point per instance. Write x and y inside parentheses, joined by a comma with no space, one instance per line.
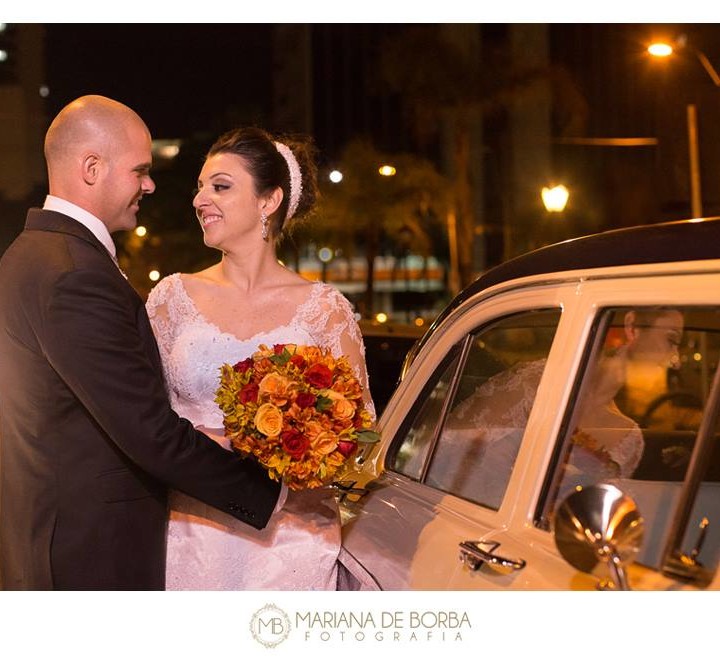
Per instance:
(476,553)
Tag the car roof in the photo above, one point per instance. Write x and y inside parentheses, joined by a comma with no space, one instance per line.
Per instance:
(693,239)
(669,242)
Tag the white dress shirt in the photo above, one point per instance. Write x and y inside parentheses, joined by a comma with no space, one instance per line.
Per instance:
(88,220)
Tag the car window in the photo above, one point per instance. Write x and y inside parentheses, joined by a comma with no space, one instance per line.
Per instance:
(465,431)
(640,403)
(411,454)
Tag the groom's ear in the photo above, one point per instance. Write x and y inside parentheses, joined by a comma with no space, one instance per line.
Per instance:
(90,168)
(271,202)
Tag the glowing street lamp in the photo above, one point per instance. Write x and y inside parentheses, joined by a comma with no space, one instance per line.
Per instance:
(660,49)
(335,176)
(663,49)
(387,170)
(555,198)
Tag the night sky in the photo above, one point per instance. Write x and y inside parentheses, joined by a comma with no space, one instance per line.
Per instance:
(178,77)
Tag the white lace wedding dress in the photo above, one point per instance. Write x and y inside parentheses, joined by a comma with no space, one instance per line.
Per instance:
(210,550)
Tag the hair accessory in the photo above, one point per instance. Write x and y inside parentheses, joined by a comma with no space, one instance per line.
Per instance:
(295,178)
(265,225)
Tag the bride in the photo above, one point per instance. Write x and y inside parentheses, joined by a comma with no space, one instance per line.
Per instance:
(250,190)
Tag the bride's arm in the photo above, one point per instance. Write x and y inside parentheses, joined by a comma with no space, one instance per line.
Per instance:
(157,307)
(342,335)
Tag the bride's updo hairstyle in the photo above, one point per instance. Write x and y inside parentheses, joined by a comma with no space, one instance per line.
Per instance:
(284,162)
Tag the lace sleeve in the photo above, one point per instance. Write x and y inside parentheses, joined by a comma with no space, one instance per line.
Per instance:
(158,309)
(333,325)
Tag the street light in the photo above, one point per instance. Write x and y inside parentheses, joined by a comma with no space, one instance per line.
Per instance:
(555,198)
(662,49)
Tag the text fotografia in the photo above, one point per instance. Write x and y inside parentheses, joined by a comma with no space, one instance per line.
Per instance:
(385,626)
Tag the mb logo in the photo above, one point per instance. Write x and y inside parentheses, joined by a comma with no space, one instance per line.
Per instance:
(270,625)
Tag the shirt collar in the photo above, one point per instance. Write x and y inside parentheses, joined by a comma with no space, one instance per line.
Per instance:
(92,223)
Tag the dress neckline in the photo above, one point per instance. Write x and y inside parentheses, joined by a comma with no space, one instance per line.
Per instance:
(315,289)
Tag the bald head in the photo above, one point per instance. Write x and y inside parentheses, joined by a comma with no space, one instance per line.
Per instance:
(95,148)
(89,123)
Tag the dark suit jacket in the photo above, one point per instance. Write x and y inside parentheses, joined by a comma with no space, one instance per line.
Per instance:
(88,442)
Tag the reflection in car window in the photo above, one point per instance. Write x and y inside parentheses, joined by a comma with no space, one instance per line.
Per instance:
(410,456)
(476,420)
(639,406)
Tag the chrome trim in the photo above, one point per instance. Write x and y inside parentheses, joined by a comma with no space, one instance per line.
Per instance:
(674,562)
(452,388)
(474,556)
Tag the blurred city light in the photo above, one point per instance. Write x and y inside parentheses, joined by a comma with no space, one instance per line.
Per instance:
(335,176)
(154,275)
(555,198)
(660,49)
(141,231)
(387,170)
(165,149)
(44,91)
(3,55)
(381,318)
(325,254)
(419,322)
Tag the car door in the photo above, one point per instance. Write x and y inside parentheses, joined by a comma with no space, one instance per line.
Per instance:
(484,371)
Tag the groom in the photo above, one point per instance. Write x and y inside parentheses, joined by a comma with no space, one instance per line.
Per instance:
(88,442)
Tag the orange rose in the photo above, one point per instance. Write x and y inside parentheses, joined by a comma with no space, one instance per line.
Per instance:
(310,353)
(349,387)
(276,388)
(325,442)
(269,419)
(312,429)
(342,408)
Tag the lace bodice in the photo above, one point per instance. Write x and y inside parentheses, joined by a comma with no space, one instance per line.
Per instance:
(193,349)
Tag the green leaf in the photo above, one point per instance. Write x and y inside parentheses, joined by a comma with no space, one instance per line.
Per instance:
(323,403)
(368,436)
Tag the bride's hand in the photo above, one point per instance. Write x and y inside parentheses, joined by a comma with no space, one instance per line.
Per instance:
(217,434)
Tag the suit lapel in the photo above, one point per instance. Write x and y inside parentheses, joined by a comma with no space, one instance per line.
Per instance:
(49,220)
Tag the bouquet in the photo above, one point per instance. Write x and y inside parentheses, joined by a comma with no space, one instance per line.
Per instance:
(297,410)
(592,457)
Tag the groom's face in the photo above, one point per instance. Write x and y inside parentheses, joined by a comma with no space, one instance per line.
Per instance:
(127,179)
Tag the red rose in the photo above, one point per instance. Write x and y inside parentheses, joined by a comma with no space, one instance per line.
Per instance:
(243,366)
(305,400)
(279,348)
(346,448)
(298,361)
(248,393)
(294,443)
(319,376)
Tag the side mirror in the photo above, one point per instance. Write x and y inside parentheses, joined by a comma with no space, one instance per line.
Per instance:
(599,524)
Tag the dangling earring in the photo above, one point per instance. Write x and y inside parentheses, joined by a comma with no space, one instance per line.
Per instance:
(265,225)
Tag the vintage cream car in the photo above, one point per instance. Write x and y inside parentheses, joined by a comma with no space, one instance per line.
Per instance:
(556,428)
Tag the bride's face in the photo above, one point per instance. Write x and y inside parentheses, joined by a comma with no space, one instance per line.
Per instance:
(658,341)
(226,204)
